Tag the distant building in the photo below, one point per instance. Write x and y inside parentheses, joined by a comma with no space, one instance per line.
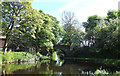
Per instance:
(2,41)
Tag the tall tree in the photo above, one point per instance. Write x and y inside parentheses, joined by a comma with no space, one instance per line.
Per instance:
(107,39)
(69,21)
(12,13)
(89,26)
(73,35)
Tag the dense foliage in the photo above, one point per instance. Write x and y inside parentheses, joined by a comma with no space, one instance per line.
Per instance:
(102,36)
(27,29)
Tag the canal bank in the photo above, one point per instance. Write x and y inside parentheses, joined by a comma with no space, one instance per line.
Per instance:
(17,57)
(69,68)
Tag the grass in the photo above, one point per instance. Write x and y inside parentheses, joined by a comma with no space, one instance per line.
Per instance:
(20,56)
(15,56)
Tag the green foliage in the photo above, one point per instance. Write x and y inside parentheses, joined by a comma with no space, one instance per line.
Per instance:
(26,27)
(54,56)
(13,16)
(21,56)
(77,38)
(69,29)
(15,56)
(112,14)
(70,32)
(92,22)
(100,72)
(107,39)
(60,54)
(106,73)
(23,25)
(73,36)
(102,37)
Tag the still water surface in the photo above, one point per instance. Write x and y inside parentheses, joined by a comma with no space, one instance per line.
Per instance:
(59,68)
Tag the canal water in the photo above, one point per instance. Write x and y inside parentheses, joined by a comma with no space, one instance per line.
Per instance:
(60,68)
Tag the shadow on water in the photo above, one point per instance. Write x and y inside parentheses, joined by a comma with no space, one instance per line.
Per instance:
(58,68)
(0,65)
(0,69)
(70,67)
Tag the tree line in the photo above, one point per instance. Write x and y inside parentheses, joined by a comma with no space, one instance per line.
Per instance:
(102,36)
(26,27)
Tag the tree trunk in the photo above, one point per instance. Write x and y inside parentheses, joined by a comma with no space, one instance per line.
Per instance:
(9,28)
(5,45)
(37,49)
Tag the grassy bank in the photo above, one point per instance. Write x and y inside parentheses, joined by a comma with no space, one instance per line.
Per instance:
(12,57)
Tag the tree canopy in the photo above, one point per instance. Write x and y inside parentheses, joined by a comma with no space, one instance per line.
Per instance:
(23,25)
(28,29)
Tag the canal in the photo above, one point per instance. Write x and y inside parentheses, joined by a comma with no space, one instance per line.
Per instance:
(60,68)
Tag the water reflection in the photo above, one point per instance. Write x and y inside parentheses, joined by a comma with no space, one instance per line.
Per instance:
(58,68)
(0,65)
(0,69)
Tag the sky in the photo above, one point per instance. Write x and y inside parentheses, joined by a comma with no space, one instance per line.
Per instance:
(81,8)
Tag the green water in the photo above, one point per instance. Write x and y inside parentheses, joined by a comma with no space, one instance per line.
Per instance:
(60,68)
(69,67)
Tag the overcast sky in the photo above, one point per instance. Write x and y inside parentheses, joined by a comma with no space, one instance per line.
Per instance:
(81,8)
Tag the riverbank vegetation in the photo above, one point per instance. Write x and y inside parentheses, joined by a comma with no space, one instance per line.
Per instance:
(105,73)
(18,57)
(29,31)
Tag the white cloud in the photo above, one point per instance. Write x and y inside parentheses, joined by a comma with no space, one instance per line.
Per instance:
(70,5)
(100,7)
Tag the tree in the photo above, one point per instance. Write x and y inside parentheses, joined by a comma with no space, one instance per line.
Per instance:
(57,30)
(112,14)
(77,38)
(12,13)
(92,22)
(73,35)
(107,39)
(68,21)
(29,28)
(38,29)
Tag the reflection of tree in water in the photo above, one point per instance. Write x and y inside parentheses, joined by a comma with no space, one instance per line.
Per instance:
(0,69)
(11,68)
(48,71)
(49,68)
